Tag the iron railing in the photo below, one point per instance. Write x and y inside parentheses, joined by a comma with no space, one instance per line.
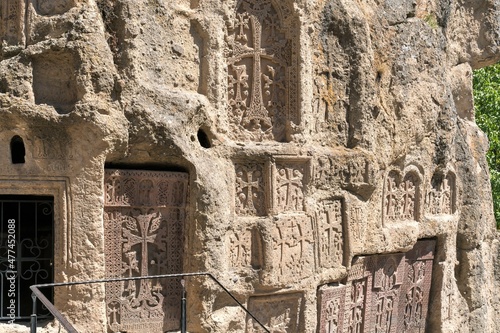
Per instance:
(70,328)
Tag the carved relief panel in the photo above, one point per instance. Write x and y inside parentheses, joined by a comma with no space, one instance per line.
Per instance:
(414,300)
(441,197)
(358,296)
(382,293)
(357,224)
(289,182)
(332,308)
(329,221)
(387,279)
(356,176)
(270,188)
(250,189)
(292,248)
(244,246)
(144,215)
(262,82)
(279,313)
(401,196)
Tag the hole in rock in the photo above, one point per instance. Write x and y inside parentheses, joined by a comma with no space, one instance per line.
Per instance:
(203,139)
(17,150)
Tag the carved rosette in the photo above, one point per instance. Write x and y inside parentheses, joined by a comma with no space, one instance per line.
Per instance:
(259,59)
(250,190)
(330,229)
(144,214)
(279,313)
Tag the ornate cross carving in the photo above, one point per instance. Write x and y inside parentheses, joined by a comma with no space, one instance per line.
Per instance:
(258,63)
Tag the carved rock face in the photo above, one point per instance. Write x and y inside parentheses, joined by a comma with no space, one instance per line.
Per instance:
(315,143)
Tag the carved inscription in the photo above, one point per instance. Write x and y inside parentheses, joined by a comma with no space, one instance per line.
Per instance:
(440,198)
(46,145)
(293,246)
(330,228)
(144,217)
(250,195)
(259,59)
(401,196)
(383,293)
(289,187)
(279,313)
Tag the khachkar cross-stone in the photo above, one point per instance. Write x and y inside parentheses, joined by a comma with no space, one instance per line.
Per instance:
(143,228)
(258,61)
(250,190)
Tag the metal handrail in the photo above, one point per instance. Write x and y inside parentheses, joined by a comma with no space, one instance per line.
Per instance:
(67,325)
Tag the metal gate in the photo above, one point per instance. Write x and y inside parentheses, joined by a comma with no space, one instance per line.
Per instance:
(26,253)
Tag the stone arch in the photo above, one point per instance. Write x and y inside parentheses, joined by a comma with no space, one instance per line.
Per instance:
(401,198)
(441,195)
(262,68)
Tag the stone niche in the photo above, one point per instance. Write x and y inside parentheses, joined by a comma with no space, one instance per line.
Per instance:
(54,80)
(383,293)
(53,7)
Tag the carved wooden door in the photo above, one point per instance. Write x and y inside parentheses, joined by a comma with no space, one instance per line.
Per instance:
(144,214)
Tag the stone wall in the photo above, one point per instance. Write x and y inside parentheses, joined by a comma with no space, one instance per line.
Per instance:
(334,175)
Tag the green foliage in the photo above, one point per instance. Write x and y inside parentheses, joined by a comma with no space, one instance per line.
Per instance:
(431,20)
(486,83)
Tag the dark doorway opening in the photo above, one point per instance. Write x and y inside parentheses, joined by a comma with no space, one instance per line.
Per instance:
(26,254)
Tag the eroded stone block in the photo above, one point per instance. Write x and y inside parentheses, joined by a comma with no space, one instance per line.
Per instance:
(54,80)
(279,313)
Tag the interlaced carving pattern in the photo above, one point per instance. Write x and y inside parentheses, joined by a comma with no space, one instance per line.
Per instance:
(383,294)
(144,217)
(260,60)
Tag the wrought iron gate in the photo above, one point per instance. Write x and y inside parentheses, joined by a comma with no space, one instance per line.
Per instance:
(26,253)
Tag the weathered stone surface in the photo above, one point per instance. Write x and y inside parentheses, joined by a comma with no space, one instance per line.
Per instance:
(319,141)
